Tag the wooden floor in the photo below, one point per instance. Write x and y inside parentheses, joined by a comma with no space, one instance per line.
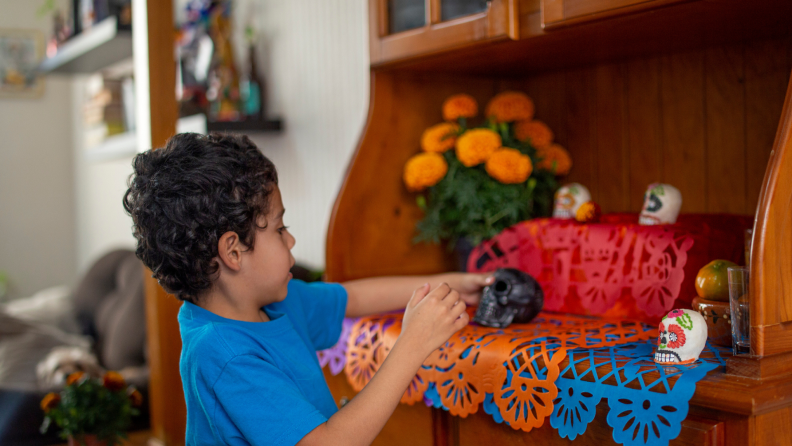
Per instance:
(137,438)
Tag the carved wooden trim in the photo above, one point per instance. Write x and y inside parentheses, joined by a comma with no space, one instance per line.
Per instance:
(771,253)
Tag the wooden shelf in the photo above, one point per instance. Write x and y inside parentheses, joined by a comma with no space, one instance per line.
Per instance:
(271,125)
(94,49)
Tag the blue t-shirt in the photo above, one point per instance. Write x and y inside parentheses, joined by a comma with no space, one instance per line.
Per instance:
(255,383)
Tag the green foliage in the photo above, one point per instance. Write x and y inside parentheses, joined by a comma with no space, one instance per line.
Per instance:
(87,407)
(467,202)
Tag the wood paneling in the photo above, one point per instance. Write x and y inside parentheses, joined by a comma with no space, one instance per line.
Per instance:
(725,130)
(687,119)
(643,127)
(610,136)
(682,112)
(774,428)
(767,68)
(580,125)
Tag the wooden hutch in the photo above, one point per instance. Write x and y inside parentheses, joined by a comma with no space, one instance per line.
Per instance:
(688,92)
(685,92)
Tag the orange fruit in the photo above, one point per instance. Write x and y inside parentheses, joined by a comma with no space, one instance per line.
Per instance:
(712,281)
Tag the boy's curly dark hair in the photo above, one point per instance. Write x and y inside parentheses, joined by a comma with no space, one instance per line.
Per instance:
(185,196)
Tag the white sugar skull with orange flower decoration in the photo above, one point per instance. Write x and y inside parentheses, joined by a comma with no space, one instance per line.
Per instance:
(681,338)
(568,199)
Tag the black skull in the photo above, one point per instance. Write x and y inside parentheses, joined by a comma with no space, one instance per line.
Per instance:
(514,297)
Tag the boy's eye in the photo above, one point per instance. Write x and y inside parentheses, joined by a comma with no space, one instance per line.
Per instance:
(280,230)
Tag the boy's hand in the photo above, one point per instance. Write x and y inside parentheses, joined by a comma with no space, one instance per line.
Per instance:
(470,285)
(432,317)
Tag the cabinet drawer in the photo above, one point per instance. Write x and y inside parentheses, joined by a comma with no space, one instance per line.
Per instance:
(560,13)
(409,425)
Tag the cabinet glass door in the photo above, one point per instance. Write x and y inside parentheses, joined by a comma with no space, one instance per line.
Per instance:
(404,15)
(452,9)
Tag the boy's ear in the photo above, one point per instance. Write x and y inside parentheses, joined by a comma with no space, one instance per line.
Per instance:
(229,250)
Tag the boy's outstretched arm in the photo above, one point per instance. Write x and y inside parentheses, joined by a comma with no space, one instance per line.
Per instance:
(429,320)
(382,294)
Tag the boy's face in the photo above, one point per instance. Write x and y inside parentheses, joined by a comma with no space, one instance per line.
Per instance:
(269,262)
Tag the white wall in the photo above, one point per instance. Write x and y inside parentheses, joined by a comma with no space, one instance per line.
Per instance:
(37,216)
(101,223)
(315,56)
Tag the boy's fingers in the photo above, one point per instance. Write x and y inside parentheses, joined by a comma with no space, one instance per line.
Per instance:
(458,309)
(441,291)
(451,298)
(462,321)
(419,294)
(489,279)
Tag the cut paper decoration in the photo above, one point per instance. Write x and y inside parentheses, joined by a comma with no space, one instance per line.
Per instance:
(616,268)
(558,367)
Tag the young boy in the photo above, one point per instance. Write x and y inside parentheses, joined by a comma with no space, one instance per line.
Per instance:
(208,219)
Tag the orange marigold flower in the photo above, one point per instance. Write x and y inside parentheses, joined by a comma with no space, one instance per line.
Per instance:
(439,138)
(136,398)
(50,401)
(535,132)
(509,166)
(424,170)
(588,212)
(74,377)
(475,146)
(555,159)
(459,106)
(510,106)
(113,381)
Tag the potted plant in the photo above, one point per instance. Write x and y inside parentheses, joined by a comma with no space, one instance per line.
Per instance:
(92,411)
(477,181)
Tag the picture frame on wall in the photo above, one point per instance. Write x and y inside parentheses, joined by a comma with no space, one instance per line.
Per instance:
(20,54)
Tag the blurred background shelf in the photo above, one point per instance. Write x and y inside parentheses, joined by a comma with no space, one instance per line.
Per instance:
(271,125)
(114,147)
(125,145)
(94,49)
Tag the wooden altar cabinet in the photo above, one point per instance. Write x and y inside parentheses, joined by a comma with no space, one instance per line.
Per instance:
(691,93)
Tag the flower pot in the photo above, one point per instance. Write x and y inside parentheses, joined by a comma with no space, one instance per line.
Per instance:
(718,317)
(86,440)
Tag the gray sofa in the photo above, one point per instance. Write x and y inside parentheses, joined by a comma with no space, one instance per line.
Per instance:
(108,304)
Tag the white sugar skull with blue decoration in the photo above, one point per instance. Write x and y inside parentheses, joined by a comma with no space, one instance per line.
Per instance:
(682,335)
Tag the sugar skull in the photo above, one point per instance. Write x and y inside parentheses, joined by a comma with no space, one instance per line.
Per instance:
(661,205)
(568,199)
(514,296)
(682,337)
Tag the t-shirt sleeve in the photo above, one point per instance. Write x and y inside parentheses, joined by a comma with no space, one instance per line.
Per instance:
(262,403)
(324,305)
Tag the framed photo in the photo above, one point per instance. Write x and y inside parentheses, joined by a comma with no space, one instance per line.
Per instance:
(20,54)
